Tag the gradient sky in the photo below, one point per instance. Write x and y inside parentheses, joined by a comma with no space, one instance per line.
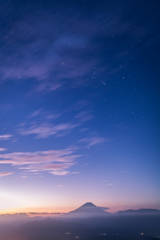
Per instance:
(79,104)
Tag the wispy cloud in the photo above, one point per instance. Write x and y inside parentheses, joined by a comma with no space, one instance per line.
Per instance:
(50,63)
(109,184)
(44,123)
(47,129)
(42,115)
(3,149)
(44,213)
(81,104)
(53,161)
(93,141)
(59,53)
(36,113)
(84,116)
(104,208)
(3,174)
(5,137)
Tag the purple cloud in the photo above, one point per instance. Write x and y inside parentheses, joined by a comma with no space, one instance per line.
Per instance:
(47,129)
(84,116)
(40,114)
(56,54)
(50,68)
(92,141)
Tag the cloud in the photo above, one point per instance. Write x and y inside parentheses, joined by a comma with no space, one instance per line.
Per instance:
(84,116)
(81,104)
(40,114)
(42,123)
(36,113)
(60,173)
(104,208)
(62,53)
(45,130)
(3,174)
(43,213)
(3,149)
(92,141)
(5,137)
(50,63)
(56,162)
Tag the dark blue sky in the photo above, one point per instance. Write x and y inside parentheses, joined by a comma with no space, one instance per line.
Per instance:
(79,104)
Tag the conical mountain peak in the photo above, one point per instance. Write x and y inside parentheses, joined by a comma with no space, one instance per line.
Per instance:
(88,204)
(87,210)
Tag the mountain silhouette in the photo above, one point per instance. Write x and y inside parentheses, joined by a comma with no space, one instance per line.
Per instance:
(87,210)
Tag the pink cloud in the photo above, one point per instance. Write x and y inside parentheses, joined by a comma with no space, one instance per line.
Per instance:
(60,173)
(3,174)
(53,161)
(5,137)
(3,149)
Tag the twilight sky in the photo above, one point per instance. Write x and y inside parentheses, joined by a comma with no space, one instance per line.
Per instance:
(79,104)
